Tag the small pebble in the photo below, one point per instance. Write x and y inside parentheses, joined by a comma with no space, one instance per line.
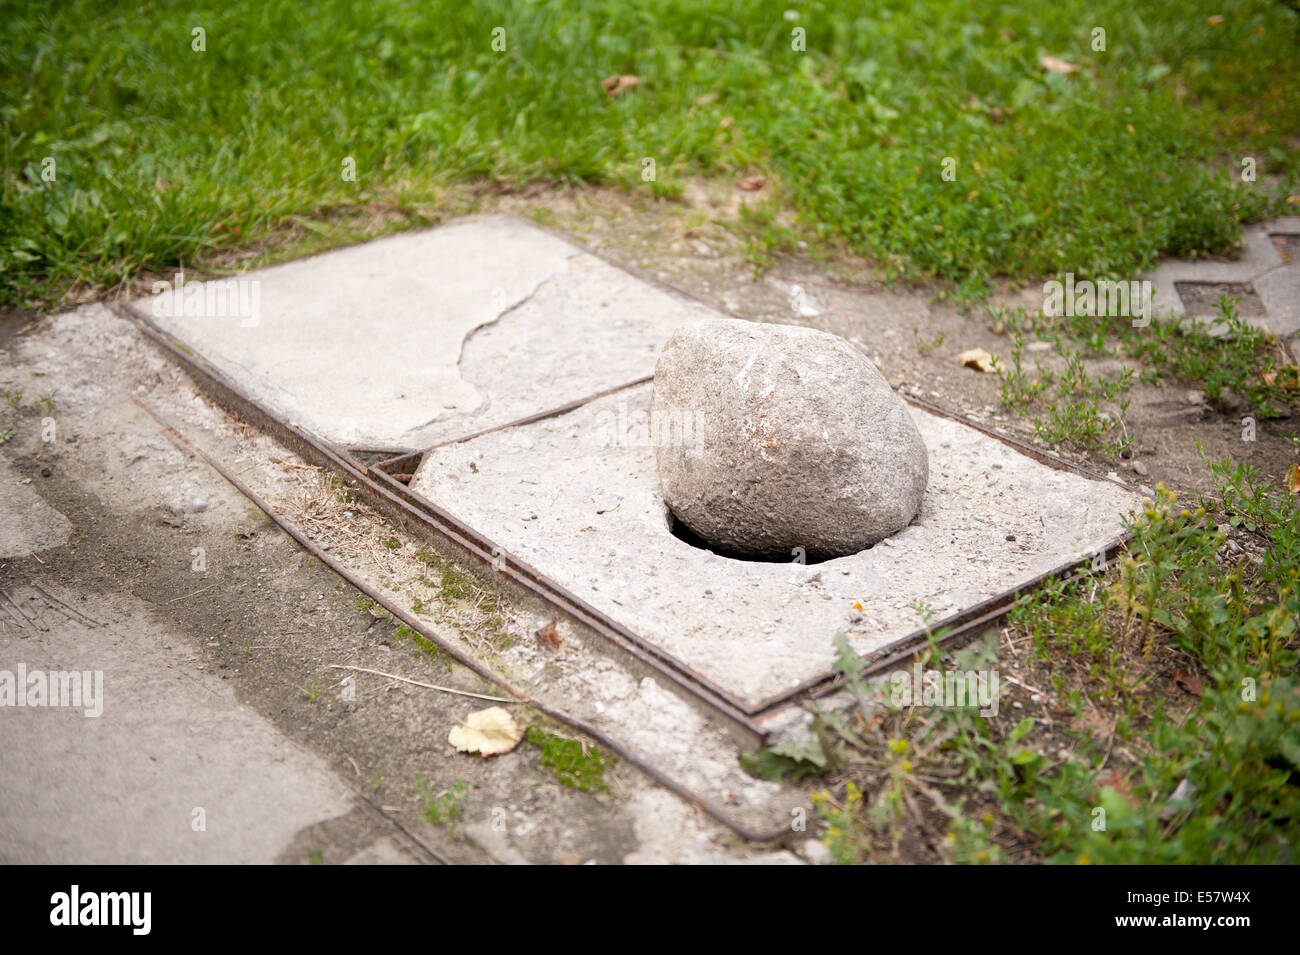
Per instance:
(45,472)
(815,851)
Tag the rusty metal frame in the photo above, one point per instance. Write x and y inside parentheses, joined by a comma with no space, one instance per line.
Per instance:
(623,752)
(383,483)
(380,476)
(396,502)
(950,628)
(600,621)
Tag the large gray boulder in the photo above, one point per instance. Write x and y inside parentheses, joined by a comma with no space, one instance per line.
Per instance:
(770,438)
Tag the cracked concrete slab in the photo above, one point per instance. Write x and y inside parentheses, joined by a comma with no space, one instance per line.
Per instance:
(576,496)
(424,336)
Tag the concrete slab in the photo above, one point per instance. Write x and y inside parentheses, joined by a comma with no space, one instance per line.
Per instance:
(577,497)
(1261,266)
(424,336)
(171,770)
(1280,292)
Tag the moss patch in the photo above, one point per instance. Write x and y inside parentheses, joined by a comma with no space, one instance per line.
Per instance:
(574,763)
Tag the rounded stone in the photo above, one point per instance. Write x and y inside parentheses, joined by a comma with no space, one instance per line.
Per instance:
(777,441)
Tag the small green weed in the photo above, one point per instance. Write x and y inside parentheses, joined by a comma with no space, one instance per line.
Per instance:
(445,806)
(312,690)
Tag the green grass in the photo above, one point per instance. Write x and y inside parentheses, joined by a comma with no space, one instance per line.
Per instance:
(165,156)
(1209,774)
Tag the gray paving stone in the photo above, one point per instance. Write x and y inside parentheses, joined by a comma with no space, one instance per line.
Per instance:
(1280,292)
(1275,281)
(425,336)
(173,770)
(577,497)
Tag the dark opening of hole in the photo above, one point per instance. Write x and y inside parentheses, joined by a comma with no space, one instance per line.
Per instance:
(688,536)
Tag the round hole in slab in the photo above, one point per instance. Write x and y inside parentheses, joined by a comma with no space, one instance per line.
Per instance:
(687,536)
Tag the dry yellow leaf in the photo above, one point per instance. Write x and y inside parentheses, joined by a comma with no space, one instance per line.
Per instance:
(1058,66)
(1293,479)
(978,359)
(491,732)
(613,85)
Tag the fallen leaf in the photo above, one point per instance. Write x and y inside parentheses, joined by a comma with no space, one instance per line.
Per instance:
(1058,66)
(1293,479)
(978,359)
(490,732)
(1188,681)
(1215,20)
(752,183)
(550,635)
(613,85)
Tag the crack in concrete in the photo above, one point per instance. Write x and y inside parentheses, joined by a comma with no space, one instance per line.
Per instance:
(506,311)
(485,403)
